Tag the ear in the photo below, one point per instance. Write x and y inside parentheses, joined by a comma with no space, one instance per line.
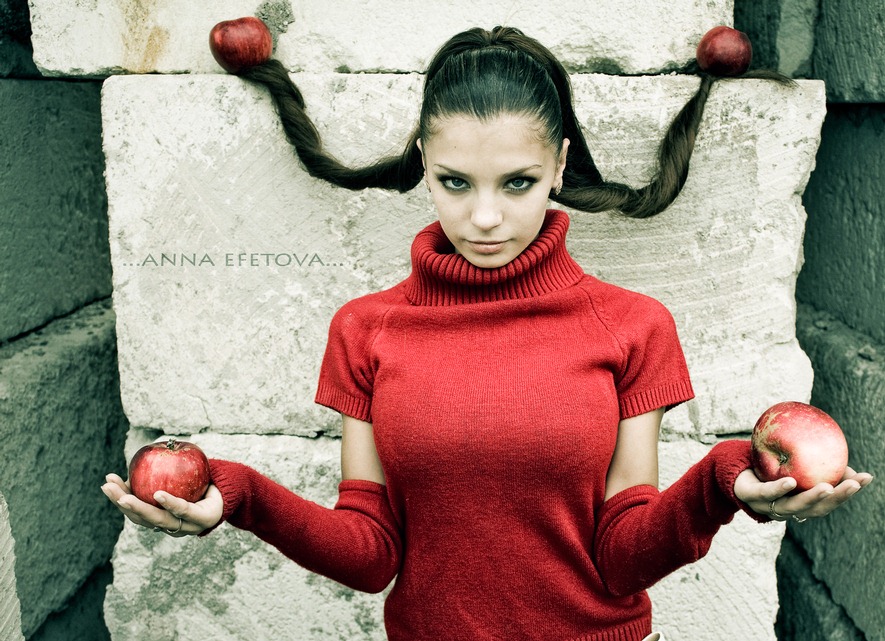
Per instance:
(421,149)
(561,166)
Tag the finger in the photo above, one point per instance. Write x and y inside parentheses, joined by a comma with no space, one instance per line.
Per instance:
(774,490)
(863,478)
(117,480)
(204,513)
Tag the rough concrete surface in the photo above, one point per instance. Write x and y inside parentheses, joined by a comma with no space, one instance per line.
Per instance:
(83,617)
(845,265)
(53,204)
(781,32)
(15,40)
(10,609)
(231,586)
(848,52)
(847,549)
(807,611)
(63,430)
(229,260)
(103,37)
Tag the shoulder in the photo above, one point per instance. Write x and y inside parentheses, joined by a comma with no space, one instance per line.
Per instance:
(624,311)
(365,314)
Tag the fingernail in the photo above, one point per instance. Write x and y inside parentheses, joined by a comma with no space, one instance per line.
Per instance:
(852,491)
(122,504)
(160,498)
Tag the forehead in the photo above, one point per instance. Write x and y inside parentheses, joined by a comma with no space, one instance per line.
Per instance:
(467,141)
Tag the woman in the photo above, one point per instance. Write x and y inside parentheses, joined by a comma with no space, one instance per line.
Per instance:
(500,407)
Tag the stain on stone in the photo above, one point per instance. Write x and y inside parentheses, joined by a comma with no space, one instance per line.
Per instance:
(144,42)
(277,15)
(602,65)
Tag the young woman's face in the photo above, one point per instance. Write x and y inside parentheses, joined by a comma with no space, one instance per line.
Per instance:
(490,182)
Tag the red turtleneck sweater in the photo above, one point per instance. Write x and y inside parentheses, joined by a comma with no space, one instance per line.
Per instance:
(495,397)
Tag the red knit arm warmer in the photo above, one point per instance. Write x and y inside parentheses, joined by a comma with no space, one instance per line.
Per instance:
(357,543)
(643,535)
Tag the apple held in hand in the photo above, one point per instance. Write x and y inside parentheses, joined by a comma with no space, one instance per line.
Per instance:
(801,441)
(240,44)
(724,51)
(177,467)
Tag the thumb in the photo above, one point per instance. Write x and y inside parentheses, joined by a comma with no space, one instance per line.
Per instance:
(206,512)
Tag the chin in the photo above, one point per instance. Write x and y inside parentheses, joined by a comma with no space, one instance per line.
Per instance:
(489,262)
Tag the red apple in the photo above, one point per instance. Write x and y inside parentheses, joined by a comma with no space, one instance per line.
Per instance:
(801,441)
(177,467)
(724,51)
(240,44)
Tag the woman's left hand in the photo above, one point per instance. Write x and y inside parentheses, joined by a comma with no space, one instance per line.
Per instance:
(770,498)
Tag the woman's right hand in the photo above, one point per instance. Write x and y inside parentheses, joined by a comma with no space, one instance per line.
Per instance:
(177,517)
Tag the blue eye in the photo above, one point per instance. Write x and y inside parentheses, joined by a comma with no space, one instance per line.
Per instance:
(522,183)
(453,183)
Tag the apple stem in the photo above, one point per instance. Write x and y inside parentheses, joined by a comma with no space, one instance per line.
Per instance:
(170,444)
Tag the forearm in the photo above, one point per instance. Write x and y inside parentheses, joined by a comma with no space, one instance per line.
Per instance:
(357,543)
(643,535)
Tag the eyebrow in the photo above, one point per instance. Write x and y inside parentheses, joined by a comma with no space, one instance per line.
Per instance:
(511,174)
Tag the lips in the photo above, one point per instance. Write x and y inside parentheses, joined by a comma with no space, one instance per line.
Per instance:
(486,246)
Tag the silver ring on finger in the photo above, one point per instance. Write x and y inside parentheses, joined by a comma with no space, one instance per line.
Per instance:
(178,529)
(773,513)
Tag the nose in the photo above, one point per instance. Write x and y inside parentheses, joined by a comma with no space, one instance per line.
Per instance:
(486,213)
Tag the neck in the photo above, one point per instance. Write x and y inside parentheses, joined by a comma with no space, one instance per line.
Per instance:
(442,277)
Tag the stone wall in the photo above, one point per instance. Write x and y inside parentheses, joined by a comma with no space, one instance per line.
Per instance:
(839,562)
(61,421)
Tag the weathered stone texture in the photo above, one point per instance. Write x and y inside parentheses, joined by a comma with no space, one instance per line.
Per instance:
(231,586)
(847,548)
(10,609)
(781,31)
(845,265)
(15,40)
(62,429)
(54,255)
(229,260)
(103,37)
(807,611)
(848,51)
(83,617)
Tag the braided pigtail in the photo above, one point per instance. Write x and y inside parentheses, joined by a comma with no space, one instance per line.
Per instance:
(400,173)
(583,186)
(588,194)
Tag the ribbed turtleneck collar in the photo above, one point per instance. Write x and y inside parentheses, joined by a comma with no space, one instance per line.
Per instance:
(442,277)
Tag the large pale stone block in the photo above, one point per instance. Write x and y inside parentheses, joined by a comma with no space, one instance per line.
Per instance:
(847,549)
(103,37)
(845,233)
(231,586)
(62,431)
(53,205)
(229,261)
(10,609)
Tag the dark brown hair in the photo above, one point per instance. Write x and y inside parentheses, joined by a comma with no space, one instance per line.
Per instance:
(484,74)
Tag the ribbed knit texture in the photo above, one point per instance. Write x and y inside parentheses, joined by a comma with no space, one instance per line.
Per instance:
(441,277)
(495,397)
